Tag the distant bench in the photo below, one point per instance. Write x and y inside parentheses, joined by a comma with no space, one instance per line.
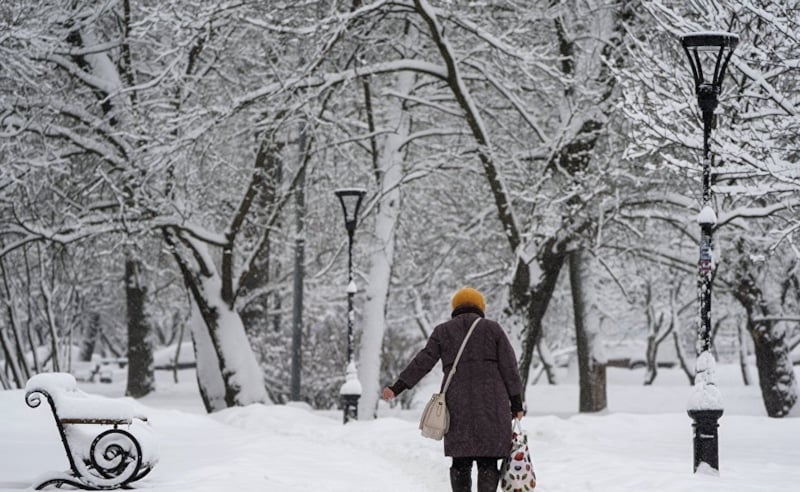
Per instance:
(99,459)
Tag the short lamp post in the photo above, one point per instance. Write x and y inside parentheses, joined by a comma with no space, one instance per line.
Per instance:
(709,54)
(350,392)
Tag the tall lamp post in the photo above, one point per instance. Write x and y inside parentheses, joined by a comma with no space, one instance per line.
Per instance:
(350,198)
(709,54)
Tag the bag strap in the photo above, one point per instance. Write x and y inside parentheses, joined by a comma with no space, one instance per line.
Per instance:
(458,356)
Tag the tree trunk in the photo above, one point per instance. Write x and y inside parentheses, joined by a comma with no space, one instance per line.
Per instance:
(254,283)
(299,269)
(141,376)
(5,384)
(656,331)
(743,355)
(209,377)
(112,345)
(390,170)
(90,337)
(221,346)
(29,323)
(775,371)
(51,324)
(13,325)
(532,296)
(10,360)
(682,359)
(548,362)
(591,362)
(654,324)
(651,354)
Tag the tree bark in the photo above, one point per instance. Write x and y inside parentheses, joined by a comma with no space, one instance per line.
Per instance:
(682,359)
(532,296)
(222,349)
(775,370)
(29,324)
(91,335)
(254,282)
(208,374)
(548,363)
(141,375)
(22,364)
(299,269)
(391,172)
(10,360)
(743,355)
(5,384)
(51,324)
(656,332)
(591,362)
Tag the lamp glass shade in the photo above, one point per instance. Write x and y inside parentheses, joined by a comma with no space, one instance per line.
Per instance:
(350,198)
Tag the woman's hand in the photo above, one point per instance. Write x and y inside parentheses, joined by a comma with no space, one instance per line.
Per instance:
(387,394)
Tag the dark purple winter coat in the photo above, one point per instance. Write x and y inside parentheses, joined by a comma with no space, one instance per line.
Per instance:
(479,395)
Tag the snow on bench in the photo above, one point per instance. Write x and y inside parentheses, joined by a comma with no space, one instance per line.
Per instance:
(77,407)
(100,458)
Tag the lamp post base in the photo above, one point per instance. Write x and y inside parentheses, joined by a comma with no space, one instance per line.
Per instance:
(706,437)
(350,407)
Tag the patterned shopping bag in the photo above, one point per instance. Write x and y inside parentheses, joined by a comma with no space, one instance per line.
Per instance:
(517,472)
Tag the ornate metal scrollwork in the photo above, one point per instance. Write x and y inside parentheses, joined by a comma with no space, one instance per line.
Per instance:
(34,398)
(114,459)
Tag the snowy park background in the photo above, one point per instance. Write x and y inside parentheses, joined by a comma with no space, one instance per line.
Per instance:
(167,178)
(641,443)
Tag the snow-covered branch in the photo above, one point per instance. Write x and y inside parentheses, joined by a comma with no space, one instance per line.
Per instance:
(338,19)
(89,50)
(756,76)
(324,81)
(29,233)
(105,86)
(191,230)
(92,146)
(755,212)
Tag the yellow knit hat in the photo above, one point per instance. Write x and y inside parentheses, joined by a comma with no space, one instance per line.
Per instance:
(468,297)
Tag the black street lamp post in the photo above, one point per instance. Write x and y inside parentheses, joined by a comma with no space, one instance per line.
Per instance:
(350,392)
(709,54)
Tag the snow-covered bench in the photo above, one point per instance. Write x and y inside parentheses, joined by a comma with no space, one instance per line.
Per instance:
(102,456)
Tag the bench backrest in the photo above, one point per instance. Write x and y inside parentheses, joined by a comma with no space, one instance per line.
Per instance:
(71,405)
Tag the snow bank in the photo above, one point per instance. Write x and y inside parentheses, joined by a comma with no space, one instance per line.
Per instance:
(292,448)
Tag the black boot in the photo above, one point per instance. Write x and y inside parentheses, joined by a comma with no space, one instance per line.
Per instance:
(461,479)
(488,475)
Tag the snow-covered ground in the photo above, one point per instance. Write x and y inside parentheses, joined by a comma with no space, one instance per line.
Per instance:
(642,443)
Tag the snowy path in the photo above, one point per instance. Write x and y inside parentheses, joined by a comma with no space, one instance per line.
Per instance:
(284,448)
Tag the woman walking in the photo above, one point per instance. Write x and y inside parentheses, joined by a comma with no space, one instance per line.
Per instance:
(484,394)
